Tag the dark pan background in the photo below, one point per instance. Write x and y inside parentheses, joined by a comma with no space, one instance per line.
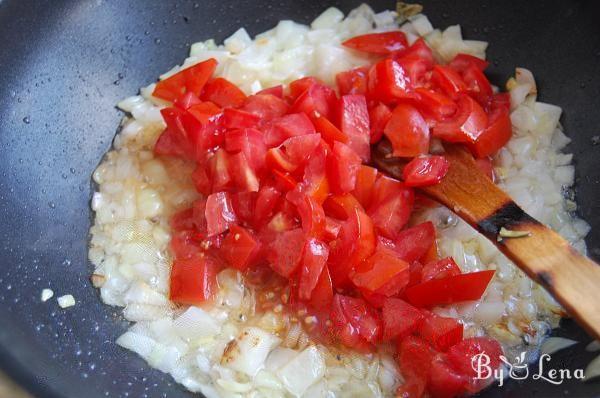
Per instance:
(63,67)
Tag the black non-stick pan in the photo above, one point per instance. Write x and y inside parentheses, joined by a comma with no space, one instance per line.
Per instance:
(65,64)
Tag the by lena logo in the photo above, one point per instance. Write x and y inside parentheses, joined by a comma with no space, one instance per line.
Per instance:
(520,370)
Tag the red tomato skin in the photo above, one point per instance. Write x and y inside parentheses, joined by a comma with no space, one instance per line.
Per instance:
(316,98)
(449,81)
(266,201)
(341,206)
(201,180)
(277,91)
(462,61)
(238,119)
(219,213)
(223,93)
(186,101)
(434,104)
(418,50)
(342,168)
(322,295)
(250,141)
(444,381)
(452,289)
(329,132)
(299,86)
(388,82)
(467,124)
(442,333)
(426,170)
(244,177)
(290,125)
(354,321)
(296,148)
(407,131)
(218,171)
(314,260)
(353,81)
(378,43)
(191,79)
(285,252)
(183,246)
(375,272)
(365,183)
(495,135)
(193,281)
(414,359)
(182,220)
(391,207)
(265,106)
(461,355)
(353,120)
(239,248)
(379,116)
(399,318)
(312,216)
(412,243)
(440,269)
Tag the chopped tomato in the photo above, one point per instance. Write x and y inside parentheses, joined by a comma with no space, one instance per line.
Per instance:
(478,86)
(328,131)
(399,318)
(218,170)
(182,220)
(266,106)
(277,91)
(238,119)
(322,295)
(452,289)
(466,125)
(354,123)
(378,43)
(191,79)
(287,126)
(285,252)
(183,245)
(440,269)
(239,248)
(353,81)
(250,142)
(425,170)
(495,136)
(312,216)
(332,228)
(243,203)
(353,321)
(266,201)
(444,381)
(412,243)
(379,116)
(223,93)
(440,332)
(296,148)
(388,81)
(299,86)
(284,181)
(314,260)
(414,357)
(461,355)
(219,213)
(193,280)
(391,210)
(342,168)
(434,104)
(277,159)
(418,50)
(407,131)
(365,183)
(341,206)
(316,98)
(243,175)
(383,273)
(462,61)
(186,101)
(201,180)
(448,80)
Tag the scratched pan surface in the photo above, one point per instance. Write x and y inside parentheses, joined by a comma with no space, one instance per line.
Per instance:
(63,66)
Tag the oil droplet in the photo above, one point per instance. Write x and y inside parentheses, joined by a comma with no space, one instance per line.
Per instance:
(72,170)
(51,205)
(157,41)
(26,120)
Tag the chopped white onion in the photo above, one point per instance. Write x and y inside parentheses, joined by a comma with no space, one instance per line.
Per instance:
(302,371)
(555,344)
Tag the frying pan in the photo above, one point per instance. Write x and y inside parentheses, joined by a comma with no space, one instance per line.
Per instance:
(65,64)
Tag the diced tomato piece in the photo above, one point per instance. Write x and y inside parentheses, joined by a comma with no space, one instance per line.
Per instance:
(186,101)
(399,318)
(182,220)
(342,168)
(173,141)
(277,91)
(322,295)
(341,206)
(282,221)
(418,50)
(218,170)
(440,269)
(199,215)
(238,119)
(283,180)
(417,70)
(379,116)
(266,106)
(444,381)
(461,355)
(383,273)
(299,86)
(462,61)
(316,98)
(353,81)
(353,117)
(191,79)
(416,271)
(276,159)
(414,358)
(441,332)
(466,125)
(356,243)
(448,80)
(388,82)
(201,180)
(239,248)
(353,321)
(434,104)
(378,43)
(249,141)
(315,182)
(314,260)
(219,213)
(204,111)
(500,101)
(425,170)
(412,243)
(287,126)
(243,203)
(266,202)
(391,207)
(407,131)
(328,131)
(183,246)
(193,280)
(495,136)
(365,183)
(478,86)
(452,289)
(297,148)
(312,216)
(223,93)
(332,228)
(485,166)
(243,175)
(285,252)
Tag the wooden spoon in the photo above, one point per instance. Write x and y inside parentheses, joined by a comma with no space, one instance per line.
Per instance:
(573,279)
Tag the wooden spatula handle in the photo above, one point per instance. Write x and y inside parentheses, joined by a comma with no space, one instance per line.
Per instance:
(573,279)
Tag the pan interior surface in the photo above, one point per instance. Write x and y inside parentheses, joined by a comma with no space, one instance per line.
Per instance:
(64,67)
